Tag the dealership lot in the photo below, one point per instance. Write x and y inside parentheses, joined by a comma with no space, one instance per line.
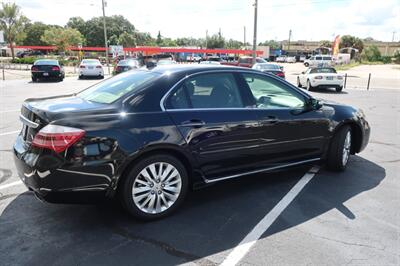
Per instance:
(337,218)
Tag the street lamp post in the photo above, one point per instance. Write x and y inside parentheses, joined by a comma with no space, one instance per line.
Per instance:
(105,35)
(255,32)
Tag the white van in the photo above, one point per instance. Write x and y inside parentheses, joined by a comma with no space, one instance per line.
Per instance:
(319,61)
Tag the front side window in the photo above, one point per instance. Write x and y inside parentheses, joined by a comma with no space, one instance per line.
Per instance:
(206,91)
(269,93)
(319,58)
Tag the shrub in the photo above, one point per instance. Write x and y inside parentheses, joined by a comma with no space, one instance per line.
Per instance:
(371,54)
(397,57)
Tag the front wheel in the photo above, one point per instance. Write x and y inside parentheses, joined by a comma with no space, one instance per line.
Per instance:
(339,89)
(340,150)
(309,86)
(155,187)
(306,64)
(34,79)
(298,82)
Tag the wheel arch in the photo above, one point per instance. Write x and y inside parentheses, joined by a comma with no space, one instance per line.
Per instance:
(194,175)
(356,135)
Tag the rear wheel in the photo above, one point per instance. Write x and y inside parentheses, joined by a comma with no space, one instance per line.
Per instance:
(34,79)
(306,64)
(155,187)
(340,149)
(298,82)
(309,86)
(339,89)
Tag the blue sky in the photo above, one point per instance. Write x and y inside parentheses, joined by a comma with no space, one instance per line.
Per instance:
(308,19)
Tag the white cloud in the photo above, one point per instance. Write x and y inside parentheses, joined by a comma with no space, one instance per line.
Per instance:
(308,19)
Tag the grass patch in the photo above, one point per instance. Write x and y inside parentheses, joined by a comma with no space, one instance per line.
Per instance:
(355,64)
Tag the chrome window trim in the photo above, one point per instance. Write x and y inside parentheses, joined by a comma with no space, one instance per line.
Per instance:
(162,101)
(28,122)
(208,181)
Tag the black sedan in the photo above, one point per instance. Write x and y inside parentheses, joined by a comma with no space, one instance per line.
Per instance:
(47,69)
(148,136)
(126,65)
(275,69)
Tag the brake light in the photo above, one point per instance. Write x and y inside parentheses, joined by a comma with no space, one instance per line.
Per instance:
(119,68)
(55,68)
(318,77)
(98,66)
(34,68)
(57,138)
(81,66)
(280,74)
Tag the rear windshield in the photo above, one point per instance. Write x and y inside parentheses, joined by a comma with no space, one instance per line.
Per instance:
(322,70)
(268,66)
(90,62)
(114,88)
(46,62)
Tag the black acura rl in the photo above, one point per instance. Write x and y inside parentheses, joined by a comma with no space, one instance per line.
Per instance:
(148,136)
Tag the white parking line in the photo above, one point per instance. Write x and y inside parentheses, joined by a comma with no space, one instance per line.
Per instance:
(9,133)
(16,183)
(244,246)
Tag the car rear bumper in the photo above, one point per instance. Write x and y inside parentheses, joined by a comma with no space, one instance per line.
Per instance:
(53,180)
(91,72)
(50,74)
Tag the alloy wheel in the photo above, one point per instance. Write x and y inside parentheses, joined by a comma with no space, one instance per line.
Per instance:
(157,187)
(346,148)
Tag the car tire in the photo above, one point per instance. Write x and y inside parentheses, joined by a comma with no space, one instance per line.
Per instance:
(340,150)
(152,194)
(306,64)
(339,89)
(34,79)
(80,77)
(298,83)
(101,77)
(309,86)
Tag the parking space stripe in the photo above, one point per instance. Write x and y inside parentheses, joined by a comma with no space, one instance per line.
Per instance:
(16,183)
(9,133)
(244,246)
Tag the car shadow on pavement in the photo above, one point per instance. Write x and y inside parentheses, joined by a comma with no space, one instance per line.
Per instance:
(329,91)
(212,220)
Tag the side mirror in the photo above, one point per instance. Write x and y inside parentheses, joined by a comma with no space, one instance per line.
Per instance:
(314,104)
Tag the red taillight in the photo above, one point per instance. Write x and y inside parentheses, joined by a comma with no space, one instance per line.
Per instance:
(280,74)
(57,138)
(33,69)
(81,66)
(55,68)
(119,68)
(98,66)
(318,77)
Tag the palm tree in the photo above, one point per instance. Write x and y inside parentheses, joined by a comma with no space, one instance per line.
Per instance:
(12,22)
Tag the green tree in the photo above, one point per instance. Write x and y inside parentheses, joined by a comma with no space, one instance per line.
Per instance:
(62,38)
(79,24)
(272,44)
(159,39)
(144,39)
(12,22)
(371,54)
(127,40)
(325,43)
(233,44)
(215,41)
(351,41)
(34,31)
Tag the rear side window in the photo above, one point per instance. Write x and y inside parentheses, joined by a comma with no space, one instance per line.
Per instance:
(318,58)
(207,91)
(328,58)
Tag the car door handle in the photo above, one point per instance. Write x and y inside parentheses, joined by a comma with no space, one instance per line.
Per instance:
(193,123)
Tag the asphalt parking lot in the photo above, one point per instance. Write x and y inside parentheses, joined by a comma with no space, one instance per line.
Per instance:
(335,219)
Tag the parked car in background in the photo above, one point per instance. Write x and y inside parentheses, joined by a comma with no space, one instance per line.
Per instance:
(210,63)
(22,54)
(302,58)
(322,77)
(319,61)
(47,69)
(91,68)
(126,65)
(166,62)
(290,59)
(147,136)
(244,61)
(281,59)
(214,58)
(275,69)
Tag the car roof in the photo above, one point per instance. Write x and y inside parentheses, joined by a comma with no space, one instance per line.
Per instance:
(193,68)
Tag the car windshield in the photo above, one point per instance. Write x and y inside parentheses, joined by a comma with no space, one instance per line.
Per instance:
(260,60)
(128,63)
(322,70)
(91,62)
(268,67)
(114,88)
(46,62)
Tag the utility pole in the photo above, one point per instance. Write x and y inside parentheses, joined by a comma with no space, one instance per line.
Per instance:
(105,35)
(290,36)
(206,38)
(255,32)
(244,36)
(393,36)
